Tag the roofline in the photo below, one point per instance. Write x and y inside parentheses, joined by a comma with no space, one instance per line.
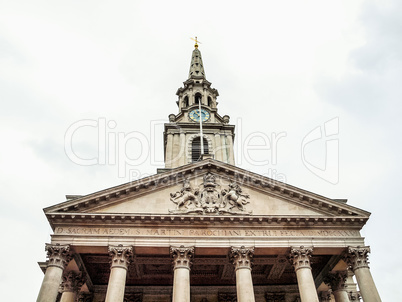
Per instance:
(178,174)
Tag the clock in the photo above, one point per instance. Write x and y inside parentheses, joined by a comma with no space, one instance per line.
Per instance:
(196,116)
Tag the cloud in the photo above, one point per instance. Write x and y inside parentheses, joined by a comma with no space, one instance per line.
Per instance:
(383,28)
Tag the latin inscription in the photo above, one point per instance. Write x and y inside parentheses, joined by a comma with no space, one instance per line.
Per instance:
(170,232)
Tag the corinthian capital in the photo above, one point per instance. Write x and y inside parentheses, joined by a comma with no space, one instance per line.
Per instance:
(121,255)
(72,281)
(336,280)
(182,256)
(300,257)
(357,257)
(59,255)
(242,257)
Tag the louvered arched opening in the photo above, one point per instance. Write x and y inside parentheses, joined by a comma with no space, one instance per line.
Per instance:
(209,101)
(196,149)
(198,98)
(185,101)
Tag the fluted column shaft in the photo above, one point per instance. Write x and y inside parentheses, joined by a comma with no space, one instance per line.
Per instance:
(181,269)
(59,256)
(121,258)
(337,282)
(357,259)
(242,258)
(300,259)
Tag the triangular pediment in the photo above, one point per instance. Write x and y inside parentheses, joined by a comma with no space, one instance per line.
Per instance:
(209,188)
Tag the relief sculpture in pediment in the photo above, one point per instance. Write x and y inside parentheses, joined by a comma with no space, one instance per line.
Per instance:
(209,198)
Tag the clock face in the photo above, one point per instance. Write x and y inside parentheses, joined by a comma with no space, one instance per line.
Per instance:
(195,115)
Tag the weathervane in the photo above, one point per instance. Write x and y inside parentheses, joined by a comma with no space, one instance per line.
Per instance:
(196,42)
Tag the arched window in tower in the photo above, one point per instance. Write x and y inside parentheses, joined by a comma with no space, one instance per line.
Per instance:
(209,102)
(185,101)
(196,149)
(198,98)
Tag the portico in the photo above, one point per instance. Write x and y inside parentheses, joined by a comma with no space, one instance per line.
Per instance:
(250,252)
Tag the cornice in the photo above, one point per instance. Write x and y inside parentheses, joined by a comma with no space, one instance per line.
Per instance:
(177,127)
(174,220)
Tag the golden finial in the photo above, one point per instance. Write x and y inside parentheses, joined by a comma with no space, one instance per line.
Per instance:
(196,42)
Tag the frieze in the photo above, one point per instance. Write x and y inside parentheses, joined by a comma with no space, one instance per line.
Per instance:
(195,232)
(208,198)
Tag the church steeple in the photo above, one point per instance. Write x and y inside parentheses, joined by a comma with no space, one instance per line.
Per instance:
(196,67)
(197,88)
(197,110)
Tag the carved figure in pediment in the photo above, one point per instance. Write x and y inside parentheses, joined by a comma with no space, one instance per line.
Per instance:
(235,197)
(210,197)
(185,197)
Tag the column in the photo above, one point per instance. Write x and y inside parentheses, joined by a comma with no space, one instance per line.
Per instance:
(181,267)
(59,256)
(337,282)
(351,286)
(357,259)
(242,258)
(70,286)
(300,259)
(121,258)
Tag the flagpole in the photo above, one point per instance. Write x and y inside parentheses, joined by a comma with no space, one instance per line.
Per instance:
(201,135)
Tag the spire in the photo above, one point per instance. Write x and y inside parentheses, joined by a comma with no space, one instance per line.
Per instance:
(196,67)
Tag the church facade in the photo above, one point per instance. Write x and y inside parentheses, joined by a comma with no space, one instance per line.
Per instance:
(204,230)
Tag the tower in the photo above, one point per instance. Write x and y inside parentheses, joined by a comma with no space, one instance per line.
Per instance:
(198,116)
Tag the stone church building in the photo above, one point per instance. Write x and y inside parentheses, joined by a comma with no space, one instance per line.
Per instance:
(204,230)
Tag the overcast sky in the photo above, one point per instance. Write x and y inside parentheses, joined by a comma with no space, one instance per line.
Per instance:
(323,77)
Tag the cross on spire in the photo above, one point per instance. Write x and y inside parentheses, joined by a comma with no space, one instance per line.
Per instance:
(196,42)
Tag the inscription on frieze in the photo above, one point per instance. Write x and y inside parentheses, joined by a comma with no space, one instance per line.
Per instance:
(193,232)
